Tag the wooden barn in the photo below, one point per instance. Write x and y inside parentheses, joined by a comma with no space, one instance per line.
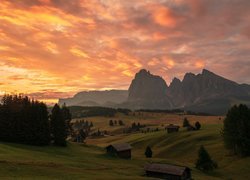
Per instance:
(172,128)
(121,150)
(168,171)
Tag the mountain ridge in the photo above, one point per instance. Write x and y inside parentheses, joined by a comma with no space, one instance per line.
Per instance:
(203,92)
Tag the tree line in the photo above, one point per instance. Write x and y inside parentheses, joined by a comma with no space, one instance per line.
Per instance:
(27,121)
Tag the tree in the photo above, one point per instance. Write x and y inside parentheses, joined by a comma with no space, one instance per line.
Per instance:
(185,122)
(120,122)
(204,161)
(67,118)
(148,152)
(236,130)
(58,126)
(91,124)
(197,125)
(111,123)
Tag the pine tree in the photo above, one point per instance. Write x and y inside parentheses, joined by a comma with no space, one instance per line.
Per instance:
(67,118)
(197,125)
(91,124)
(148,152)
(58,127)
(111,123)
(185,122)
(236,130)
(204,162)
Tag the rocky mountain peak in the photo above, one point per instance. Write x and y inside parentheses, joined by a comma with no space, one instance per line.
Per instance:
(146,87)
(175,82)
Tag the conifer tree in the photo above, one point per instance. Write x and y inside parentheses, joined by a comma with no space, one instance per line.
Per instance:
(204,161)
(58,127)
(67,118)
(186,122)
(148,152)
(197,125)
(111,123)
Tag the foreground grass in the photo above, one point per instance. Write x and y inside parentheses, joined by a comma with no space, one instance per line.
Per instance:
(74,161)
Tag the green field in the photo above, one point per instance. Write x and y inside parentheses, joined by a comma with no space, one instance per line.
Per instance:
(89,161)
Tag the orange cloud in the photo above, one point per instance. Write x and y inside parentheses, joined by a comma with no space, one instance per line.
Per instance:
(164,17)
(200,64)
(79,53)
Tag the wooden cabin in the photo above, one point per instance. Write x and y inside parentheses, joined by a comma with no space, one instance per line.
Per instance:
(121,150)
(172,128)
(168,171)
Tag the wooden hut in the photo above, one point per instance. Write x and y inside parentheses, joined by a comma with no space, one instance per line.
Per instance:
(172,128)
(121,150)
(168,171)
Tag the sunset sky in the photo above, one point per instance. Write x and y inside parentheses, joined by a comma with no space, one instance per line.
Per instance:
(54,48)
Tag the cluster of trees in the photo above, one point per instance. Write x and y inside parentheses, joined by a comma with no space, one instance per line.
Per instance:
(115,122)
(136,127)
(161,111)
(186,124)
(81,130)
(235,134)
(81,112)
(123,111)
(150,130)
(26,121)
(83,124)
(236,130)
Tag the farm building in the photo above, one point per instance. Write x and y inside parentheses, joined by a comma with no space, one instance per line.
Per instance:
(167,171)
(121,150)
(172,128)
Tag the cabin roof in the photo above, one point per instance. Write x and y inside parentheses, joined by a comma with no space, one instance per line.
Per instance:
(166,168)
(170,126)
(121,146)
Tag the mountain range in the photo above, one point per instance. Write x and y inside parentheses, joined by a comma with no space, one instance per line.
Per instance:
(205,92)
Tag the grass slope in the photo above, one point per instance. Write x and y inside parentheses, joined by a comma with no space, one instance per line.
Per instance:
(90,162)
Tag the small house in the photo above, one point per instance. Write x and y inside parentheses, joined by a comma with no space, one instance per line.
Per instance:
(121,150)
(172,128)
(168,171)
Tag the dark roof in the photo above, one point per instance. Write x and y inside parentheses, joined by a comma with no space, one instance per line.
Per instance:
(166,168)
(121,147)
(173,126)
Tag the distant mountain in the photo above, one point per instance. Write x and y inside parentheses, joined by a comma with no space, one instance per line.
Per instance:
(205,92)
(148,91)
(108,98)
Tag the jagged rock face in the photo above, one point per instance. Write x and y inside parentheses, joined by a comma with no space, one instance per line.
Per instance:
(202,87)
(148,91)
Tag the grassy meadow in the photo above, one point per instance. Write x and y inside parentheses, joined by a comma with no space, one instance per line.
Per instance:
(89,161)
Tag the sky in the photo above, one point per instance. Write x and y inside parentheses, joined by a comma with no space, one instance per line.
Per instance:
(51,49)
